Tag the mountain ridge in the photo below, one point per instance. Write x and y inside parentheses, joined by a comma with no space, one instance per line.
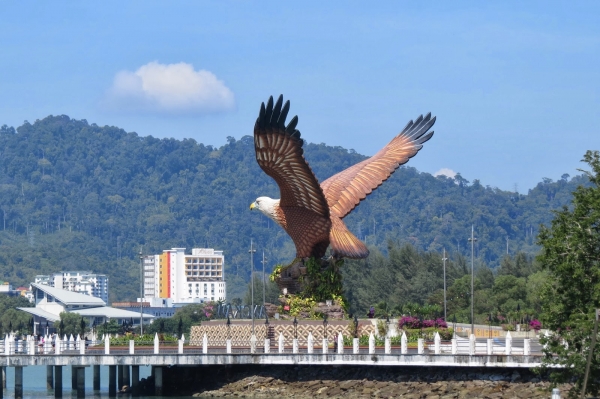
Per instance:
(76,195)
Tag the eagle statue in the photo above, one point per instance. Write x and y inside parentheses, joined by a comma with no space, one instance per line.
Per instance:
(312,213)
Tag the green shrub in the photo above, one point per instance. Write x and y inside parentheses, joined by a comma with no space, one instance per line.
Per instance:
(140,340)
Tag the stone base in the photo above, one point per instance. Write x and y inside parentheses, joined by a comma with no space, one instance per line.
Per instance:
(290,277)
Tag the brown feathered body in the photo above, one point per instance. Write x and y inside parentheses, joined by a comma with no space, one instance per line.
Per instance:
(312,213)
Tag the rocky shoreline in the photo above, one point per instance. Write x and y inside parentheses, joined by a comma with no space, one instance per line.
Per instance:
(360,382)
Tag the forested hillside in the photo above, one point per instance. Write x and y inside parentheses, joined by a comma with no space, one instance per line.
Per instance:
(75,195)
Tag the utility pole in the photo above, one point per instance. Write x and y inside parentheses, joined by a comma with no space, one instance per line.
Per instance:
(472,240)
(252,251)
(264,260)
(141,292)
(444,259)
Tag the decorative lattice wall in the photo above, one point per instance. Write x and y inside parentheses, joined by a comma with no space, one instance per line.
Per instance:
(240,334)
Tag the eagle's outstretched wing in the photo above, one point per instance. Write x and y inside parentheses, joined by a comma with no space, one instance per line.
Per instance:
(346,189)
(279,153)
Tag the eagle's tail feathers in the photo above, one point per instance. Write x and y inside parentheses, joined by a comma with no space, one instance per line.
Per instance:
(344,243)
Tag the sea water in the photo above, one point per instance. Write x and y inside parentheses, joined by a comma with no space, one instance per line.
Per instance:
(34,383)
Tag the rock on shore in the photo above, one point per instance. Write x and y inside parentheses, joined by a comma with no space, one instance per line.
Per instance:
(376,382)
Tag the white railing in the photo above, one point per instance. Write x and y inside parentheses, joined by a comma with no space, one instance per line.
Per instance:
(12,345)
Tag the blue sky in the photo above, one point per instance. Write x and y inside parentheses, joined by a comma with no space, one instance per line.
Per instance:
(515,87)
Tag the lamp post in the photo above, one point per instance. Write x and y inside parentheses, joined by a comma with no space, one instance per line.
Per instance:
(454,325)
(518,315)
(444,259)
(527,320)
(141,293)
(295,323)
(266,326)
(355,326)
(251,251)
(228,327)
(490,325)
(325,325)
(472,240)
(387,324)
(264,260)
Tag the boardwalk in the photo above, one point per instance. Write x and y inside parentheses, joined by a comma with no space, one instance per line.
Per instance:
(124,362)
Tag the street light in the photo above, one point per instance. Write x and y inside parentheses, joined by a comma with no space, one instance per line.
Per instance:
(325,325)
(264,260)
(490,325)
(251,251)
(141,293)
(228,327)
(472,240)
(518,315)
(266,326)
(295,323)
(387,324)
(454,325)
(444,259)
(355,326)
(527,325)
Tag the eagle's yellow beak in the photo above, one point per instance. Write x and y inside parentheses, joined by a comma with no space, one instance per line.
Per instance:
(252,205)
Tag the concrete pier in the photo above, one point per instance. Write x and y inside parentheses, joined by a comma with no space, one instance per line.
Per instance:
(120,374)
(158,380)
(18,382)
(49,377)
(112,381)
(96,382)
(73,378)
(58,389)
(126,376)
(80,382)
(135,381)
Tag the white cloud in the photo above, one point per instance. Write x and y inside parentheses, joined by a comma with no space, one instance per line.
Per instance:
(445,172)
(169,89)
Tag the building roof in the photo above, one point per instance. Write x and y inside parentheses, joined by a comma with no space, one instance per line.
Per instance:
(70,297)
(111,313)
(41,313)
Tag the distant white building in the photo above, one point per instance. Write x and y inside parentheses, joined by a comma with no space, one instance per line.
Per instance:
(185,278)
(50,302)
(5,287)
(84,282)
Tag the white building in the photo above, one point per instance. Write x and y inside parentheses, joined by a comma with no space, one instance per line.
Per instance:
(5,287)
(50,302)
(84,282)
(185,278)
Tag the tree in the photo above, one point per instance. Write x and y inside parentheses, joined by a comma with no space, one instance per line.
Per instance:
(70,323)
(271,291)
(571,255)
(10,314)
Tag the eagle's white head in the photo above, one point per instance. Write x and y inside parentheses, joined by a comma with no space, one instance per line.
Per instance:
(267,206)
